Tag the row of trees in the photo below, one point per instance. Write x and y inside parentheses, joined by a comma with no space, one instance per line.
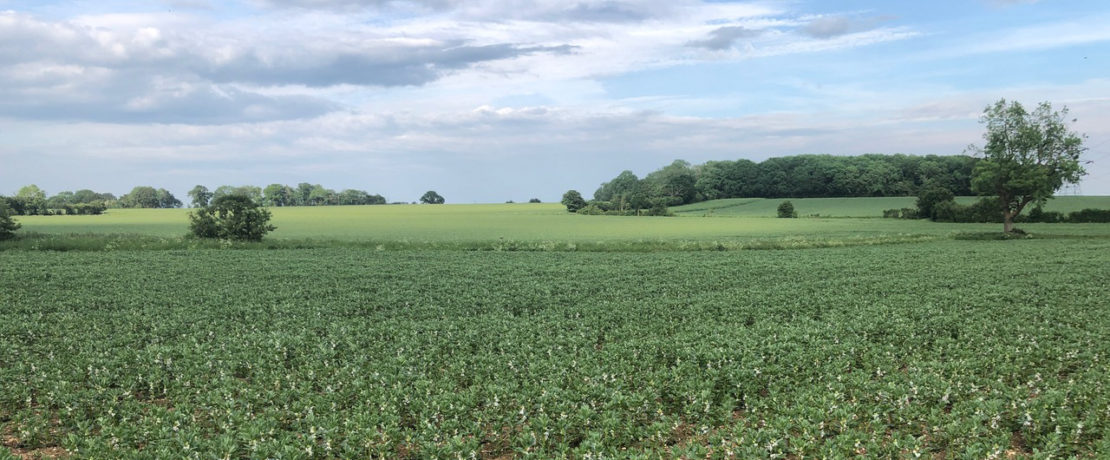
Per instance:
(304,194)
(801,176)
(32,201)
(1027,157)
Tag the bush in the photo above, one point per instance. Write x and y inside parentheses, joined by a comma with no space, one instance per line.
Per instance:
(930,198)
(659,209)
(231,217)
(7,225)
(534,200)
(1090,216)
(786,210)
(986,210)
(591,210)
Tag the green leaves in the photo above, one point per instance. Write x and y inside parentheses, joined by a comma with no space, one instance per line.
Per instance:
(1027,157)
(943,348)
(231,217)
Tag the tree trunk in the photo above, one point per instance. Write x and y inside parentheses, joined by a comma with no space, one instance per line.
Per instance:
(1007,222)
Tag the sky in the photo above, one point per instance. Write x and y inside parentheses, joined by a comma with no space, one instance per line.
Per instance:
(496,100)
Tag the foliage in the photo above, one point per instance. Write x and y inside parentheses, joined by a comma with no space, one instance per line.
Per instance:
(786,210)
(534,200)
(903,213)
(799,176)
(431,197)
(573,201)
(1027,156)
(625,193)
(148,197)
(32,202)
(200,196)
(231,217)
(929,198)
(984,210)
(7,225)
(1090,216)
(673,185)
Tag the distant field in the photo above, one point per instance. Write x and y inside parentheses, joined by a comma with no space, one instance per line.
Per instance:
(854,207)
(537,223)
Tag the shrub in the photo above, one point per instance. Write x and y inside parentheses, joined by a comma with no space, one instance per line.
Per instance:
(930,198)
(231,217)
(986,209)
(786,210)
(7,225)
(1090,216)
(891,213)
(658,209)
(591,210)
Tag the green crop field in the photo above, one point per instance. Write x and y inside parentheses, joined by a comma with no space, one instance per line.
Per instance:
(855,207)
(379,332)
(543,226)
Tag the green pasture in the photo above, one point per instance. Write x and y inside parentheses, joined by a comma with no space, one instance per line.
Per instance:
(854,207)
(537,225)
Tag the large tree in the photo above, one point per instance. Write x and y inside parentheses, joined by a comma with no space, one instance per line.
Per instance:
(233,216)
(573,201)
(1027,156)
(431,197)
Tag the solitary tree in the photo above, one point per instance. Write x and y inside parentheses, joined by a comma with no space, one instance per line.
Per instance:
(431,197)
(7,225)
(231,217)
(573,201)
(1027,157)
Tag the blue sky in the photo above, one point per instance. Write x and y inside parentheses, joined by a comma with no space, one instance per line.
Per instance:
(495,100)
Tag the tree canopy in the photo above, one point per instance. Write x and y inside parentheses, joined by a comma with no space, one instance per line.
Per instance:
(431,197)
(1027,157)
(231,217)
(800,176)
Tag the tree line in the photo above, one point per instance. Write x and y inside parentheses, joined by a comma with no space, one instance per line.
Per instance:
(304,194)
(33,201)
(800,176)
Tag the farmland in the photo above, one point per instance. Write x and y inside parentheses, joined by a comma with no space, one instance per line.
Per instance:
(549,226)
(855,207)
(936,347)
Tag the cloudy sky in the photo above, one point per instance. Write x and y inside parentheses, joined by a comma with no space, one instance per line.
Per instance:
(492,100)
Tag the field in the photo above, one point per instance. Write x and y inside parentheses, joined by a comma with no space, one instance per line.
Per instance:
(416,332)
(542,226)
(855,207)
